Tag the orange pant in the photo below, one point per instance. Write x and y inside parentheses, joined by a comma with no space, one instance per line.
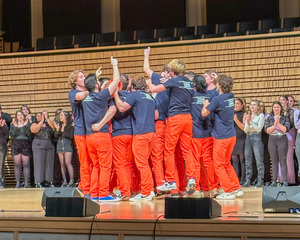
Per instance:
(122,159)
(180,170)
(157,154)
(224,170)
(85,164)
(100,149)
(202,149)
(179,129)
(142,146)
(135,179)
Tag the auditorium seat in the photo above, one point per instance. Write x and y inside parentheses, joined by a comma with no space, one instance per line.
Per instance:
(126,37)
(45,44)
(145,36)
(266,26)
(213,35)
(248,26)
(64,42)
(244,28)
(166,34)
(227,27)
(186,33)
(205,29)
(253,32)
(106,39)
(85,40)
(231,34)
(289,24)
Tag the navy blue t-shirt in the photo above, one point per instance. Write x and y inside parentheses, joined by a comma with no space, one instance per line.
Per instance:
(213,92)
(121,122)
(143,112)
(95,106)
(181,93)
(77,111)
(202,127)
(223,107)
(162,99)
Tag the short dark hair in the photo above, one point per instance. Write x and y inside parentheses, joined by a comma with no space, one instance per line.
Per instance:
(139,83)
(90,82)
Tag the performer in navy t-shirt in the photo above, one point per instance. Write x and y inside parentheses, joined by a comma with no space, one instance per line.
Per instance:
(143,114)
(202,142)
(179,125)
(224,136)
(122,138)
(162,100)
(76,95)
(99,143)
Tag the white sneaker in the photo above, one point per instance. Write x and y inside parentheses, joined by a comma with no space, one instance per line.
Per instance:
(167,186)
(215,192)
(226,196)
(140,197)
(239,192)
(190,188)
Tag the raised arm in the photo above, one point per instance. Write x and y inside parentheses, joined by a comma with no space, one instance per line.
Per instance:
(114,84)
(147,68)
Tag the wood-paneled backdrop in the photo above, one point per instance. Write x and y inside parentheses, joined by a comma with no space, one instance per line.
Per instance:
(262,66)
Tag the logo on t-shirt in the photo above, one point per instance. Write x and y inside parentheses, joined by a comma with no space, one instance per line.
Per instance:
(147,96)
(186,85)
(199,99)
(230,102)
(88,99)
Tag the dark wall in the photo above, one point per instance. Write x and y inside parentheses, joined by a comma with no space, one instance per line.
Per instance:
(151,14)
(226,11)
(17,22)
(67,17)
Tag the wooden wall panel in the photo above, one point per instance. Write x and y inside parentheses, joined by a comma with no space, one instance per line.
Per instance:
(262,68)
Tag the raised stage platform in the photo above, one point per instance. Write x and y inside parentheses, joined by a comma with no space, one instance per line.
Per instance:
(22,218)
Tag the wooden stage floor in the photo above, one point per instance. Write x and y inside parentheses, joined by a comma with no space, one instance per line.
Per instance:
(22,217)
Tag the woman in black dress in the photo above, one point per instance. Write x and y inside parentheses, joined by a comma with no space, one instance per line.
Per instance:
(237,157)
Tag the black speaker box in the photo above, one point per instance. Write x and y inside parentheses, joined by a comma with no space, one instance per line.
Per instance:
(192,208)
(280,199)
(71,207)
(60,192)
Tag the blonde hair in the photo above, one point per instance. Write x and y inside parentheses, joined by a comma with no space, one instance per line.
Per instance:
(73,77)
(258,107)
(178,67)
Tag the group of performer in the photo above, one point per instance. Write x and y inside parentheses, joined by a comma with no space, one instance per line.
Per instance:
(172,132)
(168,131)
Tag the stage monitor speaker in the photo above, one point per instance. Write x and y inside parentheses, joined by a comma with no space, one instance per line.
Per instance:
(60,192)
(71,207)
(192,208)
(281,199)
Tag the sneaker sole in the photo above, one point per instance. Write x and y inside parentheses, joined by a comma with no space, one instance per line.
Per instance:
(226,198)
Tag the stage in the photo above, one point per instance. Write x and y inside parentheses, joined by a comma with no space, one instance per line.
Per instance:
(23,218)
